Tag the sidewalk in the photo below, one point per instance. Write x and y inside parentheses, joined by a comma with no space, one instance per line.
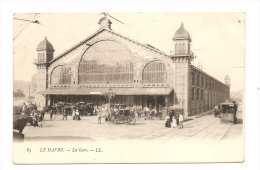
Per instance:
(198,115)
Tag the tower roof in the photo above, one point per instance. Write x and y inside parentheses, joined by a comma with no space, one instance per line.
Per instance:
(227,77)
(181,34)
(227,80)
(45,45)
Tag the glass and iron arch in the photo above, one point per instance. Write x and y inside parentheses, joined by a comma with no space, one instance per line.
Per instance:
(106,62)
(61,75)
(154,72)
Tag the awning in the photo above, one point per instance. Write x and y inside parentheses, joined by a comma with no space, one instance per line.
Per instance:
(102,91)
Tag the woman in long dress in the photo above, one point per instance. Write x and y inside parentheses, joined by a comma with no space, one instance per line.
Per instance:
(174,123)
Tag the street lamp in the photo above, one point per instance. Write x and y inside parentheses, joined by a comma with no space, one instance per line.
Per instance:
(109,95)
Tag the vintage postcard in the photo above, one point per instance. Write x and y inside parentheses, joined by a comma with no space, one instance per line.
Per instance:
(128,87)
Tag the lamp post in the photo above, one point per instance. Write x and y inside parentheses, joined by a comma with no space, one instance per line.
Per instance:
(109,95)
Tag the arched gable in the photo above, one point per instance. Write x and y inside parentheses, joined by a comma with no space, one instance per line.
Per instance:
(61,75)
(154,72)
(106,62)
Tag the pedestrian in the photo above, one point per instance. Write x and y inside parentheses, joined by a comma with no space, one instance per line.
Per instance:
(171,114)
(74,114)
(176,117)
(65,114)
(52,112)
(99,115)
(216,111)
(136,114)
(150,106)
(24,108)
(180,120)
(174,123)
(168,122)
(77,114)
(106,110)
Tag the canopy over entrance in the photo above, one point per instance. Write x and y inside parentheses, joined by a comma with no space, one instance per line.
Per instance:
(101,91)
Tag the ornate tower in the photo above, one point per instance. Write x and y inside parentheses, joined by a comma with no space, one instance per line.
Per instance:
(228,84)
(45,53)
(182,42)
(227,81)
(182,56)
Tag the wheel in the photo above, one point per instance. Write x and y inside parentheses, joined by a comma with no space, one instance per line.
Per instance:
(235,120)
(129,120)
(115,121)
(133,120)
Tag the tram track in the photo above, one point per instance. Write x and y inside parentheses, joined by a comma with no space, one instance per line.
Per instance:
(175,132)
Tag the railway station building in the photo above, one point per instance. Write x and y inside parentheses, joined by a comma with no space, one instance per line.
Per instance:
(138,74)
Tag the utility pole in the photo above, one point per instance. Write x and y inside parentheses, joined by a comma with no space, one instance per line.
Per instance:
(29,95)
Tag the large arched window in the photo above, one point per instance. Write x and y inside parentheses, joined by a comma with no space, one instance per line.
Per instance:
(106,62)
(176,48)
(154,72)
(61,75)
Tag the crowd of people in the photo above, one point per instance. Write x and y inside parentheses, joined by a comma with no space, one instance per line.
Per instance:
(104,113)
(174,119)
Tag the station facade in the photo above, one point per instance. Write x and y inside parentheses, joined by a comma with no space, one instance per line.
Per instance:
(138,74)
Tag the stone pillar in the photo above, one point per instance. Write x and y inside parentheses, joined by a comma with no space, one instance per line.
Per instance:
(155,101)
(166,98)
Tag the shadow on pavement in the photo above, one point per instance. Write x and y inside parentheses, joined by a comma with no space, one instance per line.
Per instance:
(239,121)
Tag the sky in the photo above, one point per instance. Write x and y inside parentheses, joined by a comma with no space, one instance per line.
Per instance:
(218,39)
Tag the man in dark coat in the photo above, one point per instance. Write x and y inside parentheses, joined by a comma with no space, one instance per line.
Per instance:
(176,117)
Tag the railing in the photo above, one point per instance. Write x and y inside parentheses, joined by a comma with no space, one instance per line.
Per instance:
(155,85)
(36,61)
(182,53)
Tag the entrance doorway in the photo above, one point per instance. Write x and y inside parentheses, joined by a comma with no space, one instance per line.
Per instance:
(156,101)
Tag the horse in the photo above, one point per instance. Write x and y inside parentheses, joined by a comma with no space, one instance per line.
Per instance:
(146,112)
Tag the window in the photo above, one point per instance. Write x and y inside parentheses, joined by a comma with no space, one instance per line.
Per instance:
(183,48)
(180,48)
(198,80)
(106,62)
(201,94)
(154,72)
(193,94)
(176,48)
(193,78)
(198,94)
(61,75)
(41,57)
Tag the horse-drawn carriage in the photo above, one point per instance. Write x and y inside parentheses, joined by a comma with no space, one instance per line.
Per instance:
(85,109)
(121,115)
(124,116)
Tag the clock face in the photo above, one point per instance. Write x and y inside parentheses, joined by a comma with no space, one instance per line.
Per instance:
(104,22)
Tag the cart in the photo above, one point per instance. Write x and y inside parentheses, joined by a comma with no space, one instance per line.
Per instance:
(124,116)
(228,112)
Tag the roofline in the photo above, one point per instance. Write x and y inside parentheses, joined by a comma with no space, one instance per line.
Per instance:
(99,31)
(194,67)
(144,45)
(75,46)
(182,38)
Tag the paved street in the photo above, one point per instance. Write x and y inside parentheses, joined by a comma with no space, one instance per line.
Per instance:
(199,128)
(203,139)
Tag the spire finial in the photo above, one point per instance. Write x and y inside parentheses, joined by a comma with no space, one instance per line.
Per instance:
(182,25)
(104,13)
